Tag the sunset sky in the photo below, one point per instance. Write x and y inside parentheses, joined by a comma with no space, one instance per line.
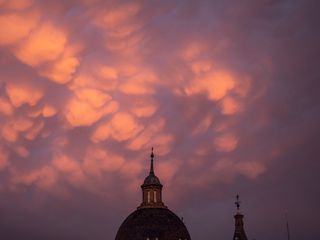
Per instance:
(227,93)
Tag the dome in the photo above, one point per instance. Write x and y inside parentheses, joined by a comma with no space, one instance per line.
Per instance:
(152,224)
(151,180)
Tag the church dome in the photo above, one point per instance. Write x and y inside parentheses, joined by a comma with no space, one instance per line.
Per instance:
(152,220)
(153,224)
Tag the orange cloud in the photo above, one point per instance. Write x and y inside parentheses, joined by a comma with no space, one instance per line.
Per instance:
(116,16)
(11,128)
(108,72)
(132,169)
(203,125)
(243,87)
(62,70)
(167,170)
(21,124)
(192,51)
(143,108)
(143,139)
(4,157)
(48,111)
(139,84)
(44,177)
(20,94)
(251,169)
(33,132)
(8,133)
(230,106)
(15,27)
(46,43)
(122,126)
(66,164)
(16,4)
(94,97)
(162,143)
(226,170)
(215,85)
(121,25)
(5,107)
(97,78)
(85,111)
(70,168)
(99,160)
(226,143)
(21,151)
(201,66)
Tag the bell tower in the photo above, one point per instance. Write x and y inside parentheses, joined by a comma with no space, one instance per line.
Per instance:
(151,189)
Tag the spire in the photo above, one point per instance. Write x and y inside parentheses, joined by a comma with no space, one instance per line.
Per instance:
(151,165)
(239,233)
(237,203)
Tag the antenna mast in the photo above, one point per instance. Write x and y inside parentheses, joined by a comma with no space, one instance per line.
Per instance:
(287,224)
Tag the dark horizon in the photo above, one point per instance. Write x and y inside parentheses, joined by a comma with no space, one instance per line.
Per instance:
(227,92)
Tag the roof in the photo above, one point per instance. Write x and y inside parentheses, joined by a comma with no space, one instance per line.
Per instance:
(151,179)
(152,223)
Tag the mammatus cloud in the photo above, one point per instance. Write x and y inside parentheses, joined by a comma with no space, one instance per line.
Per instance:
(88,87)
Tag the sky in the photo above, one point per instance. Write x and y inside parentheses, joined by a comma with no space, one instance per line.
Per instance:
(227,93)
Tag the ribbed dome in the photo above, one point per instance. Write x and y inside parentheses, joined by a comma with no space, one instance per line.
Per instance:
(152,224)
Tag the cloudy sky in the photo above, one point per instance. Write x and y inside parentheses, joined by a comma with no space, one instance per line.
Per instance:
(227,92)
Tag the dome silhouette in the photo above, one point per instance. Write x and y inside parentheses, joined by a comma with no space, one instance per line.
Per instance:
(153,224)
(152,220)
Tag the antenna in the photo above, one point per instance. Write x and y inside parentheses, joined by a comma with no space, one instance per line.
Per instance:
(287,224)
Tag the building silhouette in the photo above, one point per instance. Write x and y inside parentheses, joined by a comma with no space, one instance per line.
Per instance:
(152,220)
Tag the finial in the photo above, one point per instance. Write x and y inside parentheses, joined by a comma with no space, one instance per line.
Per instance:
(237,202)
(152,156)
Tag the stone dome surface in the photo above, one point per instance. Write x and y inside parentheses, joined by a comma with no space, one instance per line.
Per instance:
(152,224)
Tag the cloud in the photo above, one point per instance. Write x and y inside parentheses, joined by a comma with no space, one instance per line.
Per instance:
(15,27)
(46,43)
(62,70)
(216,85)
(225,93)
(22,93)
(230,106)
(139,84)
(225,143)
(89,107)
(97,161)
(17,4)
(48,111)
(121,127)
(5,107)
(3,158)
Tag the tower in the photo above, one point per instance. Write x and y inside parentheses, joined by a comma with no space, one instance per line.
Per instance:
(151,189)
(239,233)
(152,220)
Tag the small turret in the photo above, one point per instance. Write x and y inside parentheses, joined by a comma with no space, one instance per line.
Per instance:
(239,233)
